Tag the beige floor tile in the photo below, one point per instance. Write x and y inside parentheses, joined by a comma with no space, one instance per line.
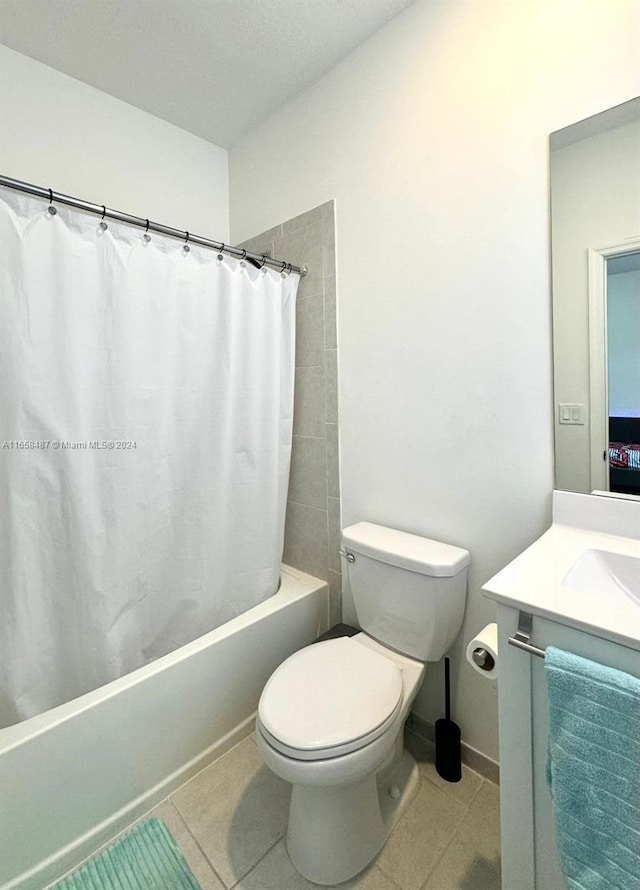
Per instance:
(275,872)
(236,809)
(472,859)
(196,859)
(463,791)
(421,836)
(484,812)
(466,866)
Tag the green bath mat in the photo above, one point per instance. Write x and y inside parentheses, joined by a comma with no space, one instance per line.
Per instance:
(146,858)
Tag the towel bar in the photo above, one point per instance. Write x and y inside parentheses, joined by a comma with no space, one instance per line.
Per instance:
(521,639)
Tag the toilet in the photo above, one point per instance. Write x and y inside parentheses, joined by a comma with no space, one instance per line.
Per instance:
(330,719)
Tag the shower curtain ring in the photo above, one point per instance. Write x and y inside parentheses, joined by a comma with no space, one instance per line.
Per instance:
(283,270)
(103,224)
(146,237)
(220,249)
(186,247)
(51,209)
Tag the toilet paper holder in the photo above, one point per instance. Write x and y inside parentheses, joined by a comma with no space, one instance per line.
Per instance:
(483,659)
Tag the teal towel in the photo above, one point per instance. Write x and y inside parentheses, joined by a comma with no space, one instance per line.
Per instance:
(594,771)
(146,858)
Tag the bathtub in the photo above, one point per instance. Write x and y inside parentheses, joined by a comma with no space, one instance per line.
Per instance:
(74,777)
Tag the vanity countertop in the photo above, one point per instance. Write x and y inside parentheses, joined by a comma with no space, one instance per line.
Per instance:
(536,581)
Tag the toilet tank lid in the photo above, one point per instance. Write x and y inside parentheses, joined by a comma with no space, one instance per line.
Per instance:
(405,550)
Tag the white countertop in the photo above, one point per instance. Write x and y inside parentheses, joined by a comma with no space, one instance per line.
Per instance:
(534,582)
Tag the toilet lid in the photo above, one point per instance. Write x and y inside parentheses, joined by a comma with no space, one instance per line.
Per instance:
(329,695)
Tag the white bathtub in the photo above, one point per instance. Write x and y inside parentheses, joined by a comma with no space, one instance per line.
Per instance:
(74,777)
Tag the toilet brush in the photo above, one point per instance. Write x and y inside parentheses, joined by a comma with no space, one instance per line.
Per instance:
(448,757)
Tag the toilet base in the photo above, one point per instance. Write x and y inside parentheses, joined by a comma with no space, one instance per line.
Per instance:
(336,831)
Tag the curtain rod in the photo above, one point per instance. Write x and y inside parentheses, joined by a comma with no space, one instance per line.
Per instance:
(106,213)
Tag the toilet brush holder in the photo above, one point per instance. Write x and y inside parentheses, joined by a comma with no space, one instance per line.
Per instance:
(448,753)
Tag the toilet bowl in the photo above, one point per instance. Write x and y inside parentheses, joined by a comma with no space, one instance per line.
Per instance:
(331,717)
(330,721)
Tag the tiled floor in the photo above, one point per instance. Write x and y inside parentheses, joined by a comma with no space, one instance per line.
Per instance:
(230,821)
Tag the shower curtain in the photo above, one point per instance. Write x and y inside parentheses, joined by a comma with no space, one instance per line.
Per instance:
(146,401)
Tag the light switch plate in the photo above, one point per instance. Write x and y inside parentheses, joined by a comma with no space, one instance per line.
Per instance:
(571,413)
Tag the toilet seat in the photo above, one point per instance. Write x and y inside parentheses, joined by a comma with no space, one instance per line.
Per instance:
(330,699)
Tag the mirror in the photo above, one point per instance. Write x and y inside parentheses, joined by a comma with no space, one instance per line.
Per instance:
(595,248)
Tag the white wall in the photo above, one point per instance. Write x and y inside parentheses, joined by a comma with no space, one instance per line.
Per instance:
(432,137)
(595,203)
(62,134)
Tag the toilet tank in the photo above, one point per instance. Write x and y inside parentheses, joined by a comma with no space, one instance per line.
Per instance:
(409,592)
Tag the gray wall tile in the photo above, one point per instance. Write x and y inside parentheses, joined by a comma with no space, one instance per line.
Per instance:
(304,248)
(329,239)
(305,539)
(335,598)
(333,461)
(308,477)
(312,529)
(331,384)
(330,322)
(328,213)
(309,402)
(263,243)
(309,331)
(334,529)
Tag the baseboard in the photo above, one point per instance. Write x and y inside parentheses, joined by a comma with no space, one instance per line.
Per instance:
(423,739)
(67,859)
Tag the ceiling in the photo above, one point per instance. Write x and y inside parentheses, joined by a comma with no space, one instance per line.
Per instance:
(213,67)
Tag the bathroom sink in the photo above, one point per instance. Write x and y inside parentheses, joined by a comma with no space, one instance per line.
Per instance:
(601,571)
(584,571)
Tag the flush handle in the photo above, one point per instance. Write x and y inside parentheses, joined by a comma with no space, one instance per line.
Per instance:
(350,557)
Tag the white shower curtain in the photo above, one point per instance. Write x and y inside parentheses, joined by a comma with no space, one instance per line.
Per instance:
(146,401)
